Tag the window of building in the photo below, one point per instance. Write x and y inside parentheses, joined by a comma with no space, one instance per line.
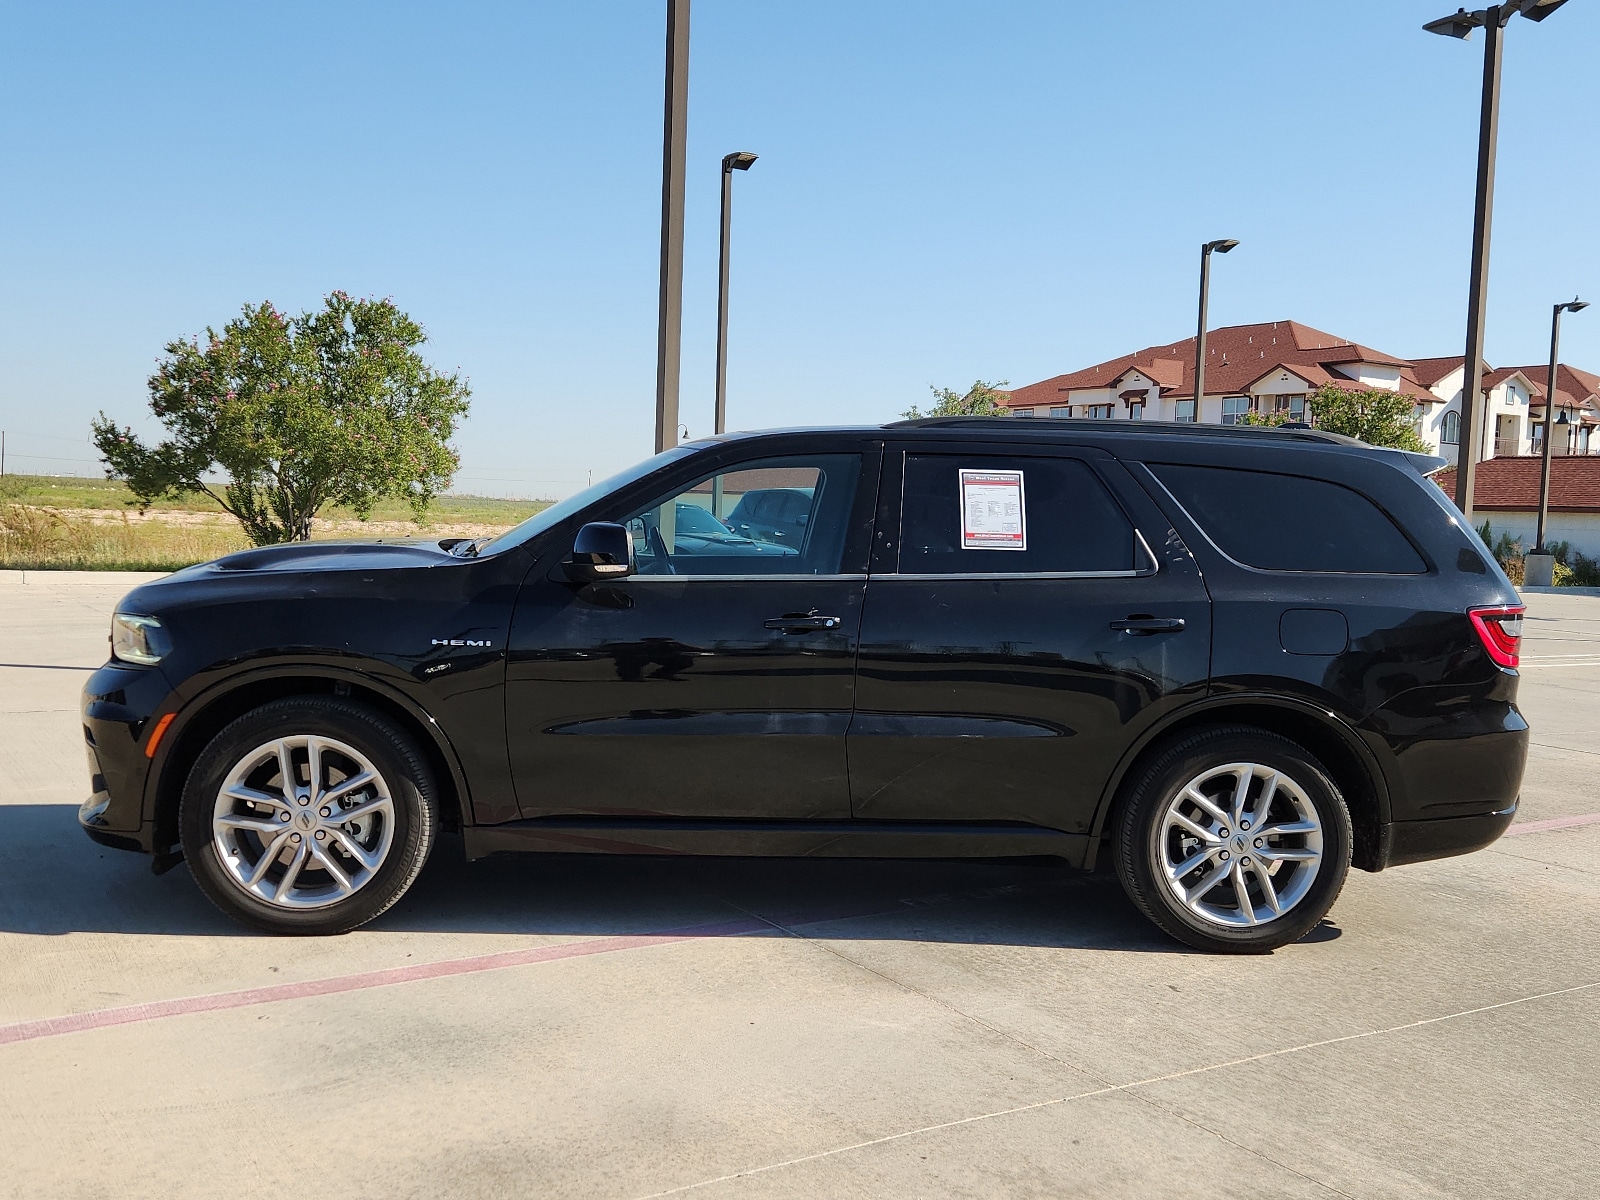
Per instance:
(1183,411)
(1135,410)
(1292,408)
(1450,428)
(1064,410)
(1097,412)
(1234,409)
(1071,522)
(1022,412)
(773,517)
(1289,522)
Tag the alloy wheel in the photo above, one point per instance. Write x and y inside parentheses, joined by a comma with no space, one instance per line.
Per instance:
(303,822)
(1239,845)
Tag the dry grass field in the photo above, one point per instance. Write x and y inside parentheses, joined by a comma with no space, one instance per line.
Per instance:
(49,523)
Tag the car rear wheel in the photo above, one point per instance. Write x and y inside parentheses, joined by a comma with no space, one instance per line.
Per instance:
(308,815)
(1234,840)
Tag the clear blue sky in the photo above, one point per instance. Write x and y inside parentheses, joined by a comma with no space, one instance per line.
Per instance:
(945,191)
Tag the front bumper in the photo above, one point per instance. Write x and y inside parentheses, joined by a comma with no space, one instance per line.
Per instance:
(117,707)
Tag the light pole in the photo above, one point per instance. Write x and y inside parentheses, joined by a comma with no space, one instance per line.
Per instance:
(1221,246)
(1460,25)
(740,161)
(1573,305)
(674,142)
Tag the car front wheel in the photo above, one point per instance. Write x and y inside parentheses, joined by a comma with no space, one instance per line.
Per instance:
(308,815)
(1234,840)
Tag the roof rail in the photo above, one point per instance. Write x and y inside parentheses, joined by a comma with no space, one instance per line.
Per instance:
(1017,424)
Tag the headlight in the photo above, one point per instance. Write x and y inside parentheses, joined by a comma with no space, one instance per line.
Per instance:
(138,639)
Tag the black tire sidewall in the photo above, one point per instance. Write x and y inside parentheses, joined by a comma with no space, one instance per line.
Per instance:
(405,770)
(1137,851)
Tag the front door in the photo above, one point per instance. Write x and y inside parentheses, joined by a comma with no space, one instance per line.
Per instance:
(1034,618)
(719,680)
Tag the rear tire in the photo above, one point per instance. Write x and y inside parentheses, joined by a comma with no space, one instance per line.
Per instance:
(308,815)
(1234,840)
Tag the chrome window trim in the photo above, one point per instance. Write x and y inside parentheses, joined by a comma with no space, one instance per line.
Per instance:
(928,578)
(732,578)
(1140,546)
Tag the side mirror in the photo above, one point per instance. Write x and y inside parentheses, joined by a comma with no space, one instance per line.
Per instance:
(602,551)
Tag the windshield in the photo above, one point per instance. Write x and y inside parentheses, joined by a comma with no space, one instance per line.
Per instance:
(550,517)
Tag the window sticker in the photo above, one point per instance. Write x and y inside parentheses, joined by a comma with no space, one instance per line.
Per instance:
(993,515)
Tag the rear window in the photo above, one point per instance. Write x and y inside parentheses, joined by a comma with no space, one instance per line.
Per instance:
(1066,522)
(1290,523)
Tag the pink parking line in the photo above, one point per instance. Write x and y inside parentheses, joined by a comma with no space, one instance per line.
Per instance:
(132,1014)
(1552,823)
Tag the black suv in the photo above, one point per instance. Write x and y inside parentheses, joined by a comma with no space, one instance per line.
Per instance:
(1233,661)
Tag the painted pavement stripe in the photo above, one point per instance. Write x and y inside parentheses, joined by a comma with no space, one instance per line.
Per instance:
(156,1010)
(1553,823)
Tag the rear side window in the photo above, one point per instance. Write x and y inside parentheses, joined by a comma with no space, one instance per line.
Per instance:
(1065,519)
(1290,523)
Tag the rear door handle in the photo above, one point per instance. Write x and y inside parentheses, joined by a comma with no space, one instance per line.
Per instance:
(806,622)
(1143,626)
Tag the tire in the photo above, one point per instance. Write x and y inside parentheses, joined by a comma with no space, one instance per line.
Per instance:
(1183,866)
(354,844)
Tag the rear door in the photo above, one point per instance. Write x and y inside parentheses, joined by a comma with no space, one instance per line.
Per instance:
(1009,658)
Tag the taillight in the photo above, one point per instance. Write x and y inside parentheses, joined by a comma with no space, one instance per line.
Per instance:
(1500,630)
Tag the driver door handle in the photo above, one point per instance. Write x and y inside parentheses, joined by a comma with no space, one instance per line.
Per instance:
(806,622)
(1143,626)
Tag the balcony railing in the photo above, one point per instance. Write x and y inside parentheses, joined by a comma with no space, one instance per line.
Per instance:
(1506,447)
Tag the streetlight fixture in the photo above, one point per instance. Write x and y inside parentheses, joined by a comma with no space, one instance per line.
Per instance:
(739,161)
(1221,246)
(1573,305)
(1460,24)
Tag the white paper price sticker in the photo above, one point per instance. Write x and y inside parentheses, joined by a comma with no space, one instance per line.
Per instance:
(993,513)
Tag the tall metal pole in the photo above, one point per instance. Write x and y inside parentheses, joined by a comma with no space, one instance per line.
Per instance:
(1200,336)
(740,160)
(1549,417)
(1472,408)
(669,325)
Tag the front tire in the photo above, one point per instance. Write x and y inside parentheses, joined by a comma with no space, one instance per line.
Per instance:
(308,815)
(1234,840)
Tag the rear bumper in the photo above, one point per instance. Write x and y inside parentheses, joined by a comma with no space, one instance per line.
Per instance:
(1418,841)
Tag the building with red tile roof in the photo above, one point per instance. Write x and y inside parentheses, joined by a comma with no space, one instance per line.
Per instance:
(1272,367)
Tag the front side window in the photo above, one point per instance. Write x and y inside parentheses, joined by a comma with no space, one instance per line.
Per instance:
(983,514)
(1234,409)
(1290,522)
(787,516)
(1450,428)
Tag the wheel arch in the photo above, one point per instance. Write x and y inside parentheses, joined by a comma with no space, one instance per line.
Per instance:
(1348,759)
(203,716)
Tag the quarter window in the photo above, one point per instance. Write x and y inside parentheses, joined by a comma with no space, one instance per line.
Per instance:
(1069,521)
(787,516)
(1289,522)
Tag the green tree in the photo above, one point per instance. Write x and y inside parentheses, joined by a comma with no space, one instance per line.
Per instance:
(1379,418)
(980,400)
(331,407)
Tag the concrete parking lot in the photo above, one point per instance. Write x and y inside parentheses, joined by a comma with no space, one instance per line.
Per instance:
(715,1028)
